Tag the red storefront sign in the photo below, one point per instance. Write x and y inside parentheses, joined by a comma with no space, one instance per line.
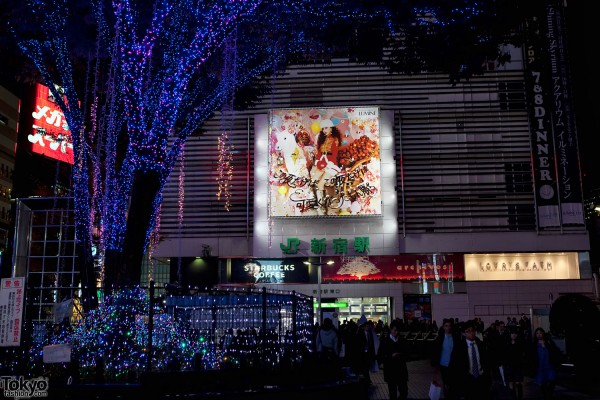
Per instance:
(50,133)
(403,268)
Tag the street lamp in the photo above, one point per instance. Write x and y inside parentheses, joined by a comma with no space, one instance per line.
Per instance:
(319,265)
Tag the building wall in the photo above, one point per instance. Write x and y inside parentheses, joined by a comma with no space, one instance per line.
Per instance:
(450,306)
(462,168)
(9,119)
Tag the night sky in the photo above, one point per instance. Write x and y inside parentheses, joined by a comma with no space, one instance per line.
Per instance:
(583,39)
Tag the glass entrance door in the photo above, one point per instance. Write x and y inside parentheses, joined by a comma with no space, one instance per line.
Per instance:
(373,308)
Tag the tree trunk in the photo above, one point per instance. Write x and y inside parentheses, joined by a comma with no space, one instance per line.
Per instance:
(89,298)
(123,268)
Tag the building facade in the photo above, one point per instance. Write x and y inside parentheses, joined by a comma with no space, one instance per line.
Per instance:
(484,170)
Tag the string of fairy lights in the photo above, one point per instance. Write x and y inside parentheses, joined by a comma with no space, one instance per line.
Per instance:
(154,240)
(234,327)
(180,205)
(224,144)
(225,168)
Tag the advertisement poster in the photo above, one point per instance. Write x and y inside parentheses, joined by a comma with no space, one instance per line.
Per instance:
(417,306)
(324,162)
(12,296)
(50,133)
(403,268)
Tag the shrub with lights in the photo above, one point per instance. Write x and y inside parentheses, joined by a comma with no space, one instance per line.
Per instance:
(116,334)
(220,329)
(254,328)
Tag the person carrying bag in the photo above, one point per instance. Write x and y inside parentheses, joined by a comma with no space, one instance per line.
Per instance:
(327,341)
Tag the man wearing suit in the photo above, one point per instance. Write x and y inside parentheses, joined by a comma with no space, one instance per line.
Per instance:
(471,364)
(393,353)
(368,344)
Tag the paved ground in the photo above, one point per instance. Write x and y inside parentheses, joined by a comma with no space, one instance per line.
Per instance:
(420,374)
(194,387)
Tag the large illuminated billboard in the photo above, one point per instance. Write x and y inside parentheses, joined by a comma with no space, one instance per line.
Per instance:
(324,162)
(50,133)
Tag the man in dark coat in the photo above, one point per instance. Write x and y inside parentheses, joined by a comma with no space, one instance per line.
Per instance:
(367,343)
(472,366)
(393,354)
(442,354)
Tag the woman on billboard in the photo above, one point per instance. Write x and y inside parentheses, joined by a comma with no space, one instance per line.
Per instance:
(326,166)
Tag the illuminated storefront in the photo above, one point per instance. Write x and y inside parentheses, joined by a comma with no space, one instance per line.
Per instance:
(406,286)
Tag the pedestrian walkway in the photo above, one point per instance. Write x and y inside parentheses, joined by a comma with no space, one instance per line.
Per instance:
(420,374)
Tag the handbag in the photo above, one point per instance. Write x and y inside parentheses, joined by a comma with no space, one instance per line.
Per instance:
(435,391)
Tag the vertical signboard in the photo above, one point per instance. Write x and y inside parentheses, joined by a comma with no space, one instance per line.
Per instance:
(563,124)
(537,83)
(12,296)
(50,134)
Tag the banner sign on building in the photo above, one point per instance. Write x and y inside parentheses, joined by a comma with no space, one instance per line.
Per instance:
(50,133)
(404,268)
(12,297)
(521,266)
(563,123)
(537,83)
(264,270)
(324,162)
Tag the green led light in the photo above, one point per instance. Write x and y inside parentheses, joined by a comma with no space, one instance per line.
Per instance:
(331,305)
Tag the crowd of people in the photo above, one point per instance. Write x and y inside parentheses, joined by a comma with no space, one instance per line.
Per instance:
(466,357)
